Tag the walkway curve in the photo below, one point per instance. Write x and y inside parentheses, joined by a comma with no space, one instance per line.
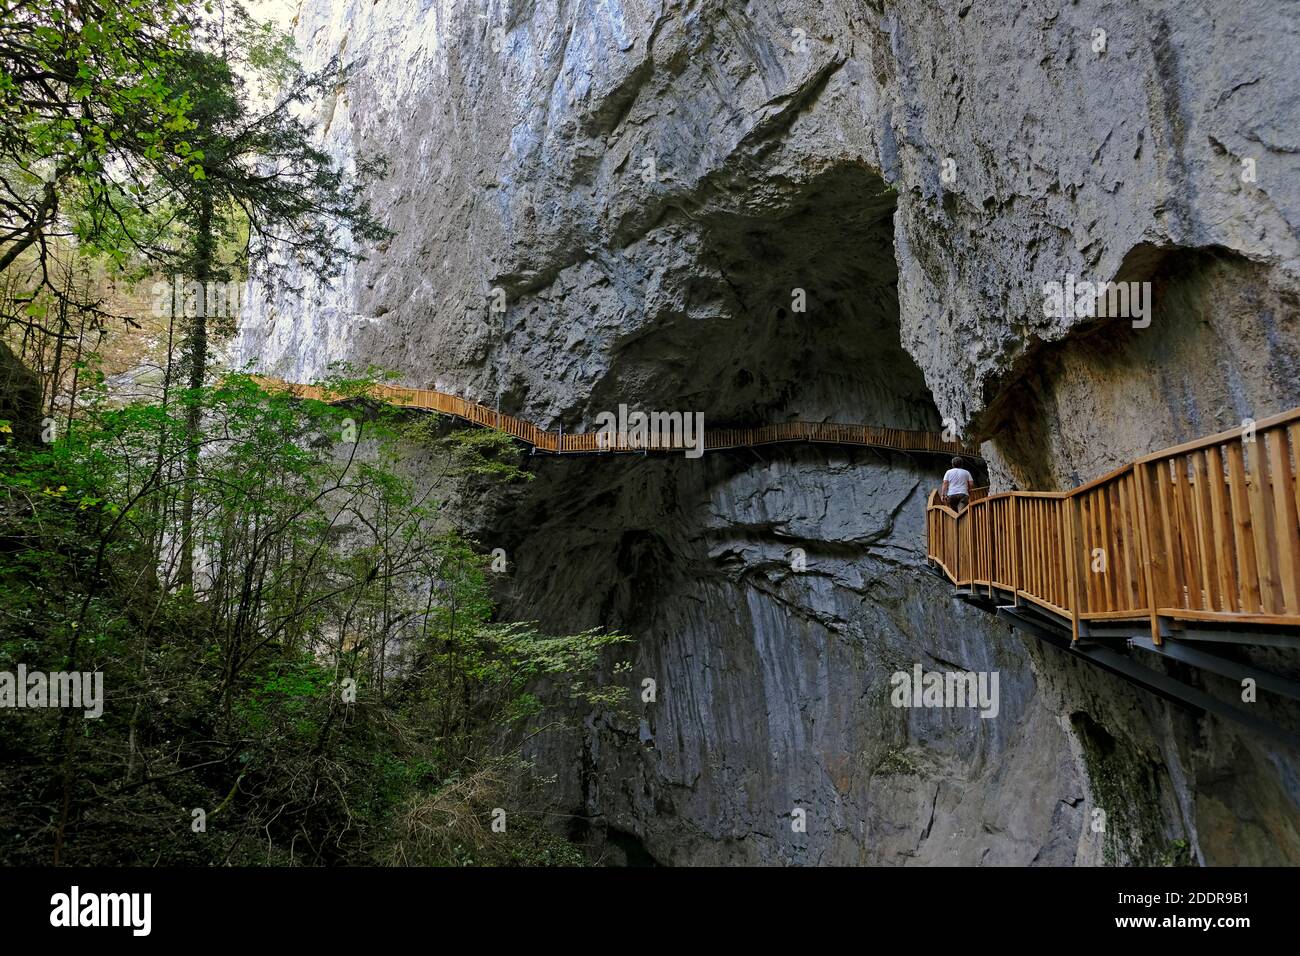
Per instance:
(715,439)
(1207,532)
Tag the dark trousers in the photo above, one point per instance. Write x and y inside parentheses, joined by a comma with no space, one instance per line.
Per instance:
(957,502)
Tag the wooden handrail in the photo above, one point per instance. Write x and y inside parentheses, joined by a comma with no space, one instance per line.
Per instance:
(1204,531)
(715,439)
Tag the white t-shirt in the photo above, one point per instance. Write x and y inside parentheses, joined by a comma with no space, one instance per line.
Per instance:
(959,481)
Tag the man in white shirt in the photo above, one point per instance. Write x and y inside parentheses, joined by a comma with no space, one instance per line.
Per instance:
(956,486)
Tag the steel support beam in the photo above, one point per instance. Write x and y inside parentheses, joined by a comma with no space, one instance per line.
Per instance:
(1157,683)
(1235,670)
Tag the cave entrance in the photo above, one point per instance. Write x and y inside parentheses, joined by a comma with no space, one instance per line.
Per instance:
(789,311)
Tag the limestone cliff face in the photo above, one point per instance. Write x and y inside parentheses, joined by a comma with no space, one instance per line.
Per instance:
(652,187)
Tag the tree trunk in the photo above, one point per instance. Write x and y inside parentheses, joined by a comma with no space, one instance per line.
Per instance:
(197,347)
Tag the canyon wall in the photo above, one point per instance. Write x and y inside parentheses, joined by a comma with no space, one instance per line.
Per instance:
(653,190)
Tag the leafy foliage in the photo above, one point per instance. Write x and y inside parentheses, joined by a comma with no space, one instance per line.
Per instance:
(333,684)
(86,112)
(300,654)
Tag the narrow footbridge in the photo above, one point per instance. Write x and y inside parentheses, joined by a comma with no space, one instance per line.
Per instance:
(1187,548)
(594,442)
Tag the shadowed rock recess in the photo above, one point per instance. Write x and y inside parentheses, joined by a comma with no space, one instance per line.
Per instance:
(649,184)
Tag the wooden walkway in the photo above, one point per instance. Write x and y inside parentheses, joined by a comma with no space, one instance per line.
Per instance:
(715,439)
(1203,532)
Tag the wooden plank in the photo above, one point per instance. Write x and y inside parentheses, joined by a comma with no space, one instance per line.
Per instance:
(1017,557)
(1125,614)
(1162,477)
(1043,583)
(1031,544)
(1002,545)
(1096,590)
(1057,568)
(1207,550)
(1114,552)
(1105,540)
(1007,565)
(1029,559)
(1221,520)
(986,519)
(1151,559)
(1083,523)
(1183,525)
(1053,556)
(1108,593)
(1059,545)
(1040,550)
(1073,545)
(1284,511)
(1034,575)
(1261,517)
(1273,620)
(949,547)
(1056,609)
(989,515)
(1048,570)
(954,534)
(957,532)
(1083,583)
(1045,589)
(1137,569)
(1294,433)
(1125,526)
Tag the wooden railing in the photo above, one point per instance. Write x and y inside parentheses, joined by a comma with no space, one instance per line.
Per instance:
(715,439)
(1206,531)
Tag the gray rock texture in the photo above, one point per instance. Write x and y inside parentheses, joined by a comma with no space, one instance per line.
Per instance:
(653,188)
(773,595)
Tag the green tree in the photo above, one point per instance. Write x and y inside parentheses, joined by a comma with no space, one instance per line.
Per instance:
(255,172)
(335,684)
(87,115)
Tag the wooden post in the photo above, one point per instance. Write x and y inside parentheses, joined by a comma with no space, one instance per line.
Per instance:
(1072,548)
(988,537)
(1015,550)
(1148,546)
(956,533)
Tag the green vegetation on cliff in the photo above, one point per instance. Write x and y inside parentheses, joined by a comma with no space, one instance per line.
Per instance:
(331,689)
